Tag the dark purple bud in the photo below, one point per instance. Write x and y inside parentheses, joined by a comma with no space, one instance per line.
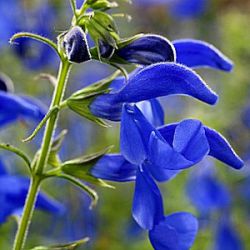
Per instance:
(76,46)
(106,50)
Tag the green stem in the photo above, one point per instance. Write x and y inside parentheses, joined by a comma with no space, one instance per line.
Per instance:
(43,158)
(27,214)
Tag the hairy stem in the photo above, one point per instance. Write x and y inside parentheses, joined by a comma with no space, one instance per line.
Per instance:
(43,158)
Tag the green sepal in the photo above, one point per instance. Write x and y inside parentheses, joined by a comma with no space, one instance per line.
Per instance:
(101,4)
(101,27)
(54,159)
(68,246)
(80,101)
(80,167)
(115,59)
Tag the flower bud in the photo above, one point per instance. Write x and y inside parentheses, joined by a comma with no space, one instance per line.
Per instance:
(76,46)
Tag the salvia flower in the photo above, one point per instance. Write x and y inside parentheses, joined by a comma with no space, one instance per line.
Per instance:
(161,79)
(13,191)
(160,153)
(76,46)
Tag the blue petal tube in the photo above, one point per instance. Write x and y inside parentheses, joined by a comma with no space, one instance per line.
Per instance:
(147,203)
(176,232)
(221,149)
(114,167)
(147,50)
(75,45)
(197,54)
(157,80)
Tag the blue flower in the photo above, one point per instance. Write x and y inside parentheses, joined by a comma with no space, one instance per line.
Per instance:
(196,54)
(161,153)
(14,107)
(13,191)
(156,80)
(206,192)
(226,236)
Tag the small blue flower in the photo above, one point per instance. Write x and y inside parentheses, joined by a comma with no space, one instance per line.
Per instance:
(147,49)
(226,236)
(13,191)
(76,46)
(156,80)
(196,54)
(13,107)
(206,192)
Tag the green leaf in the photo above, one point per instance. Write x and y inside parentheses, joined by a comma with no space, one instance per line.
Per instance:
(68,246)
(53,111)
(80,167)
(80,101)
(18,152)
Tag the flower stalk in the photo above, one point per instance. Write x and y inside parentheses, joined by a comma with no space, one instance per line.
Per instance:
(41,163)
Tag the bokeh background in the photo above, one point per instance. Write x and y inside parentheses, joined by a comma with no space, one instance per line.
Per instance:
(225,24)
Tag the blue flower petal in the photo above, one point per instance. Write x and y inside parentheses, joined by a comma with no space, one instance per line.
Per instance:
(132,144)
(221,149)
(148,49)
(163,156)
(176,232)
(147,204)
(190,140)
(164,79)
(153,111)
(114,167)
(195,53)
